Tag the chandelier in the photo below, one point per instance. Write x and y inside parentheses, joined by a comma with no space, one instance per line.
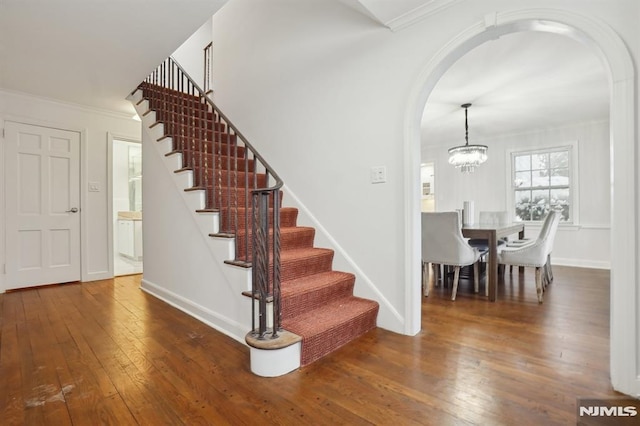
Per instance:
(467,157)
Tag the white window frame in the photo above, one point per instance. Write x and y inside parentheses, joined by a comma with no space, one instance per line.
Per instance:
(574,181)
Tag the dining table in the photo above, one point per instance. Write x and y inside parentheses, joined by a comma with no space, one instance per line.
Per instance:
(492,233)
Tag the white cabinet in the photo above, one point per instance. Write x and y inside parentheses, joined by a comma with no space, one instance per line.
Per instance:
(130,238)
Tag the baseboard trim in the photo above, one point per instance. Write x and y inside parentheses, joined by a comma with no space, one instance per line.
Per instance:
(96,276)
(219,322)
(579,263)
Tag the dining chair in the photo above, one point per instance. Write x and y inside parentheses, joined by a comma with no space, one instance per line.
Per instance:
(443,244)
(536,254)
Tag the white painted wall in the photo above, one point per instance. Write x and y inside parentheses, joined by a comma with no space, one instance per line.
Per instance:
(94,125)
(585,243)
(190,55)
(317,83)
(325,94)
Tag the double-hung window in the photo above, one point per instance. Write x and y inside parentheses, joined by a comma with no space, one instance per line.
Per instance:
(542,181)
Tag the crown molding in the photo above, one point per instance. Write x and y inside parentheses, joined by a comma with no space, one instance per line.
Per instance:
(70,105)
(408,18)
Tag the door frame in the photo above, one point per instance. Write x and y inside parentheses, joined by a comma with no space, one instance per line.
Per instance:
(111,137)
(84,275)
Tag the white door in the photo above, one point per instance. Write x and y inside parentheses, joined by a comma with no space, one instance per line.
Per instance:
(42,205)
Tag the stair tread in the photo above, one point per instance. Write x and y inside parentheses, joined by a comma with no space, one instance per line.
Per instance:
(312,291)
(332,326)
(330,316)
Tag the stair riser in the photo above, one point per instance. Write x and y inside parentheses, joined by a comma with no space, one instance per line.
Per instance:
(291,270)
(187,120)
(224,198)
(185,116)
(185,135)
(171,98)
(184,106)
(216,163)
(204,148)
(222,165)
(187,109)
(227,178)
(302,303)
(316,346)
(288,217)
(288,241)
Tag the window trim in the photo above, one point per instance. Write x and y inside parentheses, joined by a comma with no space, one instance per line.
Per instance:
(574,181)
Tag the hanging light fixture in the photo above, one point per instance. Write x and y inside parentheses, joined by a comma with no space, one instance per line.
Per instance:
(467,157)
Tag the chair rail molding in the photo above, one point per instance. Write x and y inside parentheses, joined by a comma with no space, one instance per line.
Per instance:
(607,44)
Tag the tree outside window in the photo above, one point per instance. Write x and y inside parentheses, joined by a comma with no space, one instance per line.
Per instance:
(541,182)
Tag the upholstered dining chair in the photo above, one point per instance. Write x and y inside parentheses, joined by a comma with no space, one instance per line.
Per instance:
(536,254)
(443,244)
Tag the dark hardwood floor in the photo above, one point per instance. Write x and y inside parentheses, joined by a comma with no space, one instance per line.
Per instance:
(107,353)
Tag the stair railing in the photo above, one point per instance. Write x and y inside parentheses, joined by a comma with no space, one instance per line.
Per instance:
(227,167)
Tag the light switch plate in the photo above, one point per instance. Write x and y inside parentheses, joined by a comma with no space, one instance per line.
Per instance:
(378,174)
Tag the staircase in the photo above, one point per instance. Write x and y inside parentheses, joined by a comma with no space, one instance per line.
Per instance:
(312,300)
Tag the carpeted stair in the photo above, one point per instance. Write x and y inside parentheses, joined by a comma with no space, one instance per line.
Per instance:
(317,302)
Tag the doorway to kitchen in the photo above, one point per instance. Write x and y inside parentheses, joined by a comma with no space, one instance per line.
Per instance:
(127,207)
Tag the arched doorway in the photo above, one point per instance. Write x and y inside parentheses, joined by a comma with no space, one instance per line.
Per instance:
(607,44)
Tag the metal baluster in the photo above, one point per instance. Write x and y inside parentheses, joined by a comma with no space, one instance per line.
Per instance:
(236,189)
(228,203)
(277,316)
(247,233)
(191,108)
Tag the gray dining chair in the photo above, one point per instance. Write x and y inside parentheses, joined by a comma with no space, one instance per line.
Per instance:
(536,254)
(443,244)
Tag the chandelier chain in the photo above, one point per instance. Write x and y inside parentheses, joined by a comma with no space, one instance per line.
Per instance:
(466,125)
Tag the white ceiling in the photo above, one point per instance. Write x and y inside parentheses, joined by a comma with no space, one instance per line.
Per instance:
(94,52)
(522,81)
(91,52)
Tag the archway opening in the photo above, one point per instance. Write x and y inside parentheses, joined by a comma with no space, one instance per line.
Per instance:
(620,71)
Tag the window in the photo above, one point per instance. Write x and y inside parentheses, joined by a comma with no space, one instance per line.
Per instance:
(541,182)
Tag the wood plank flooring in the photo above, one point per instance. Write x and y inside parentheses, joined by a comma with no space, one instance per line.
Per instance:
(107,353)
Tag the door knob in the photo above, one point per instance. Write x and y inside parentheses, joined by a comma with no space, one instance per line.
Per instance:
(73,210)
